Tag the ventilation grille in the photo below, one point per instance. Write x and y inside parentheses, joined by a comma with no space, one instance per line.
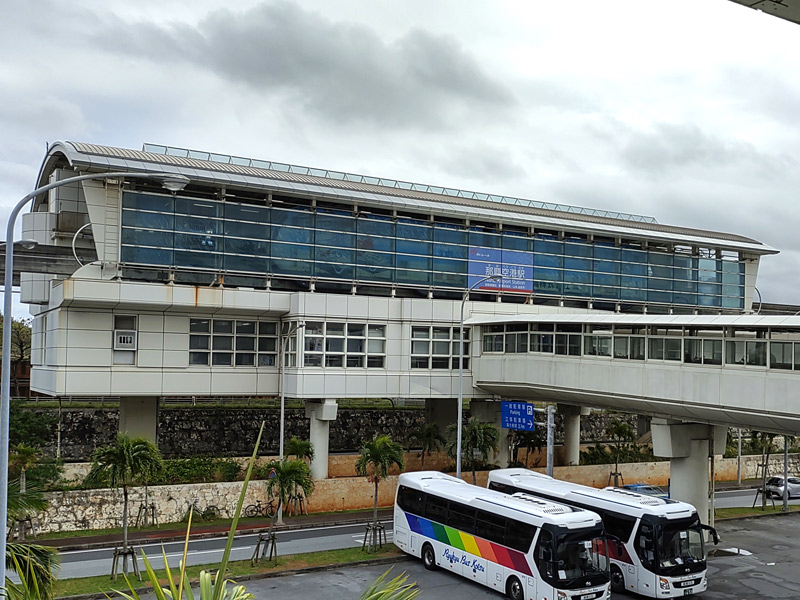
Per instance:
(124,339)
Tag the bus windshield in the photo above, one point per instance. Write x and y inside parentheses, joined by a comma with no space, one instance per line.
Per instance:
(679,545)
(573,559)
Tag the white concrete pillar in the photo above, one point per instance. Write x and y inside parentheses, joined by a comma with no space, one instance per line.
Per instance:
(489,411)
(138,417)
(571,420)
(687,447)
(321,414)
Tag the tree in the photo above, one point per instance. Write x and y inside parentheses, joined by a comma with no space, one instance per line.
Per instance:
(34,565)
(476,436)
(530,440)
(377,457)
(20,348)
(23,457)
(303,450)
(429,439)
(125,463)
(618,432)
(29,427)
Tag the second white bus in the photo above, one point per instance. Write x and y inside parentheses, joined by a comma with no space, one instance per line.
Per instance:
(662,554)
(523,546)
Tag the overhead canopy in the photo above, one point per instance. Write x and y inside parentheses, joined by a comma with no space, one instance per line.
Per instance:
(784,9)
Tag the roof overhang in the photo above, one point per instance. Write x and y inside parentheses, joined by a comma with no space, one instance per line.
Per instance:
(783,9)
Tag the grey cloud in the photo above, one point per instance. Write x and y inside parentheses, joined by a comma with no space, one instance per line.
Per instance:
(342,72)
(482,163)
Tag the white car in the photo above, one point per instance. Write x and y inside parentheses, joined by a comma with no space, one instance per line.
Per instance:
(775,487)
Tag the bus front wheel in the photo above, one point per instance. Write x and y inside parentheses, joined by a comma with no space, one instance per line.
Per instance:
(514,589)
(617,579)
(428,558)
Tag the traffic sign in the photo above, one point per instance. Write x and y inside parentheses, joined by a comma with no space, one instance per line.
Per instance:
(517,415)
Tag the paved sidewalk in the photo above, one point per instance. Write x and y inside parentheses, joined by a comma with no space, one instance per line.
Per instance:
(174,531)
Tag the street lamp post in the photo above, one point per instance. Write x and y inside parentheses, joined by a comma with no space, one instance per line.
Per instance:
(461,368)
(284,347)
(173,183)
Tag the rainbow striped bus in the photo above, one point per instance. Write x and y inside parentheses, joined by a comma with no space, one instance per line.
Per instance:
(518,544)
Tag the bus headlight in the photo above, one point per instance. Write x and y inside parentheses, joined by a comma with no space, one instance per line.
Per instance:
(562,596)
(663,583)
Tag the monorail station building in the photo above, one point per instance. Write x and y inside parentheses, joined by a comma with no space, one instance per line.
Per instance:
(360,281)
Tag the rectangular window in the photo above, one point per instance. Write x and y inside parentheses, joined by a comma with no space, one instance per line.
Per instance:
(232,343)
(344,345)
(780,355)
(438,347)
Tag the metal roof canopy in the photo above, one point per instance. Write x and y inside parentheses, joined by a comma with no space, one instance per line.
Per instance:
(776,321)
(783,9)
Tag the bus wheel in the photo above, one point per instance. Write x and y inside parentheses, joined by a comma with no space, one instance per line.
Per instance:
(428,558)
(514,589)
(617,579)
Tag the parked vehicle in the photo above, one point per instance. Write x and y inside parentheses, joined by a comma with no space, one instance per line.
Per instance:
(775,487)
(647,489)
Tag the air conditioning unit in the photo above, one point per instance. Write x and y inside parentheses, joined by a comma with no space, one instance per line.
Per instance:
(124,339)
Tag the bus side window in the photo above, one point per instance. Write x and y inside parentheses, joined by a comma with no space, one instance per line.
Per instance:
(618,525)
(436,509)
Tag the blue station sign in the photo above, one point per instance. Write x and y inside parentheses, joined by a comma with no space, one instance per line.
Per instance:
(517,415)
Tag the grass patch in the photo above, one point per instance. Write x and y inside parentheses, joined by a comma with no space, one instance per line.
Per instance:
(102,583)
(746,511)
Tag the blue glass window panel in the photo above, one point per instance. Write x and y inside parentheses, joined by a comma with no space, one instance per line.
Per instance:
(577,277)
(729,266)
(330,238)
(146,256)
(636,295)
(148,220)
(409,247)
(732,302)
(659,284)
(200,208)
(374,274)
(578,264)
(377,259)
(335,223)
(199,260)
(257,231)
(251,247)
(634,269)
(416,277)
(708,277)
(683,262)
(731,290)
(663,297)
(335,271)
(291,267)
(709,289)
(548,287)
(548,260)
(661,272)
(605,280)
(683,298)
(450,280)
(441,233)
(577,249)
(732,278)
(384,244)
(247,264)
(486,240)
(296,251)
(450,266)
(659,258)
(413,262)
(541,274)
(197,225)
(450,251)
(634,256)
(708,264)
(606,252)
(334,255)
(295,218)
(606,266)
(246,212)
(703,300)
(633,282)
(548,246)
(602,291)
(147,237)
(376,227)
(291,234)
(681,274)
(148,202)
(206,243)
(577,289)
(684,286)
(517,242)
(412,232)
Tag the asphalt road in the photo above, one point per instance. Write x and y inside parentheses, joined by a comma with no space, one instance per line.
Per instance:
(734,498)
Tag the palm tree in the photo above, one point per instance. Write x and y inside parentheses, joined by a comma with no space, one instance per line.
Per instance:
(125,463)
(429,438)
(377,457)
(23,458)
(34,566)
(303,450)
(477,436)
(289,475)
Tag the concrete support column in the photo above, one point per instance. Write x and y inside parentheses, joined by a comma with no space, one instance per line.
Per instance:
(138,417)
(442,411)
(489,411)
(321,415)
(687,447)
(571,419)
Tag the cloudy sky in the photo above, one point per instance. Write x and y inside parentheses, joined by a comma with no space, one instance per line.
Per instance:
(684,110)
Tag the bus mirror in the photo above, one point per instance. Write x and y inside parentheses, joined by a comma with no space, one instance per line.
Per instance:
(713,532)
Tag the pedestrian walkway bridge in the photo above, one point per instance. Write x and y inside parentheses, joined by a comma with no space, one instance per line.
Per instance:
(734,370)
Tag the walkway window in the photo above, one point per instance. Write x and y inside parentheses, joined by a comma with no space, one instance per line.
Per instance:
(780,355)
(344,345)
(227,343)
(438,347)
(542,337)
(492,339)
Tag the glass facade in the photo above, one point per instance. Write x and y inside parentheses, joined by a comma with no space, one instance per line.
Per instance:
(333,244)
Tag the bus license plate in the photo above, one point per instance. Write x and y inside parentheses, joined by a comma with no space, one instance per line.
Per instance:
(685,583)
(587,597)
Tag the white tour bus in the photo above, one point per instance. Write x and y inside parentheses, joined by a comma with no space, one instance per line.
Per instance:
(662,554)
(521,545)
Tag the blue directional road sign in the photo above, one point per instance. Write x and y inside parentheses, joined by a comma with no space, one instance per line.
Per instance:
(517,415)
